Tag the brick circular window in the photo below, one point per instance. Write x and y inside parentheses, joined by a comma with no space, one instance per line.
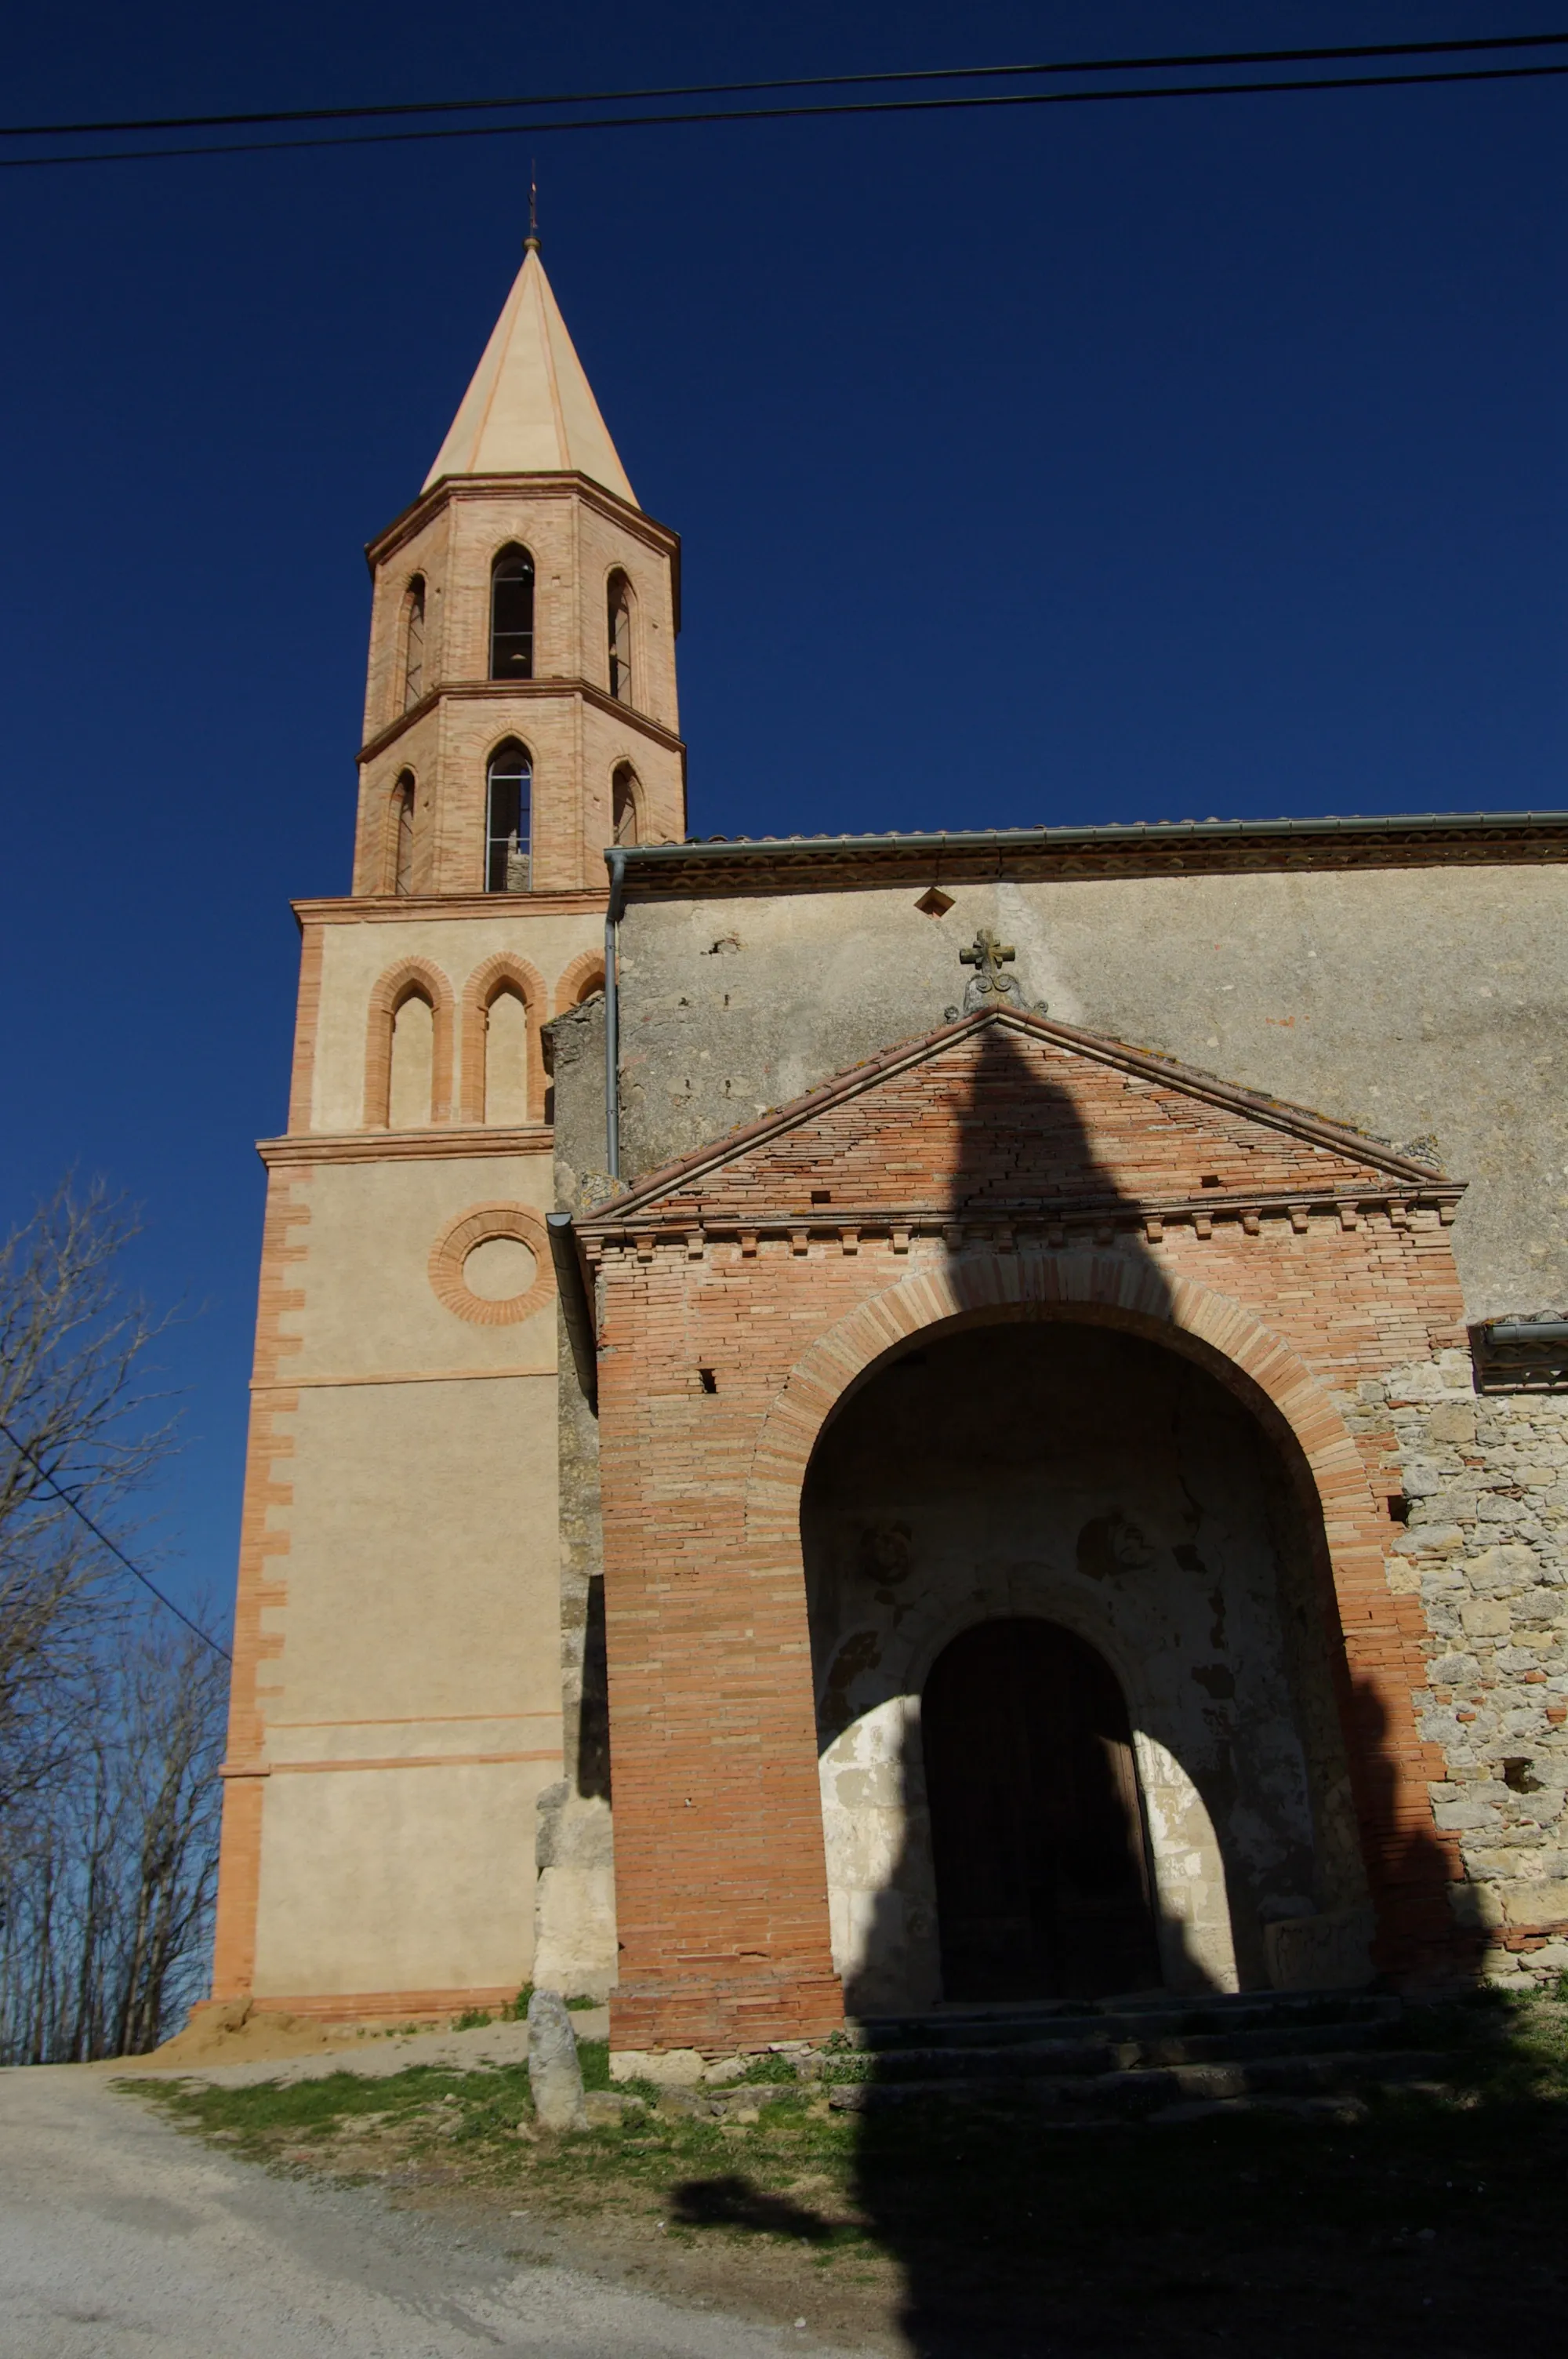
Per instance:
(491,1264)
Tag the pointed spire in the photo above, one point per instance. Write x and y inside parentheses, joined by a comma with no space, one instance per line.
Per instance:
(530,409)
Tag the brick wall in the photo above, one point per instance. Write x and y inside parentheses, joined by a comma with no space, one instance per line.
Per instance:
(1007,1168)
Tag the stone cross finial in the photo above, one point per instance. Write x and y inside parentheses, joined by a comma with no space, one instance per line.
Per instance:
(988,986)
(987,956)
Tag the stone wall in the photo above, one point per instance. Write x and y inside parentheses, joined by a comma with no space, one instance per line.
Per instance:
(574,1917)
(1486,1549)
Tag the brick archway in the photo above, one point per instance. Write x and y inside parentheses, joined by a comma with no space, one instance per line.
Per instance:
(1229,1339)
(579,980)
(1390,1761)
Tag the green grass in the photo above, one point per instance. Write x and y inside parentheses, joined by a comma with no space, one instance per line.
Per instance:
(766,2071)
(1348,2234)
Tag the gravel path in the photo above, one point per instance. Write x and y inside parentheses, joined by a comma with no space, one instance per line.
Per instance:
(122,2239)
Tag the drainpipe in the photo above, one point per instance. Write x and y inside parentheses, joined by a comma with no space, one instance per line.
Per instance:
(615,861)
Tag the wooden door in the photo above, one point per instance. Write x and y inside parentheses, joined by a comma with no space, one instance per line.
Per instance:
(1042,1885)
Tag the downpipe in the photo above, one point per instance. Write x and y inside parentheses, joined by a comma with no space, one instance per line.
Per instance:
(615,861)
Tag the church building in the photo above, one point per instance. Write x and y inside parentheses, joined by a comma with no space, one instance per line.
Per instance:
(846,1424)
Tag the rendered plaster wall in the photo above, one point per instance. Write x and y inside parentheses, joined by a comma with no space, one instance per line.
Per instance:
(419,1630)
(369,1308)
(355,955)
(410,1689)
(1101,1483)
(1418,1005)
(398,1880)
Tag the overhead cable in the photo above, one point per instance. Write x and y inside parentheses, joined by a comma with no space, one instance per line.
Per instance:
(792,114)
(116,1550)
(1178,61)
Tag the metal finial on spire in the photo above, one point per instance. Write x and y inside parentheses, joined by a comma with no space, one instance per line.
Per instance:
(531,242)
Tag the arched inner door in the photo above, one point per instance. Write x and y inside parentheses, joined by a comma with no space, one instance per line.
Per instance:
(1042,1882)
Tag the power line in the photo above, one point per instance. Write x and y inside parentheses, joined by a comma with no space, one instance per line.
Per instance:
(1322,56)
(786,114)
(116,1550)
(782,113)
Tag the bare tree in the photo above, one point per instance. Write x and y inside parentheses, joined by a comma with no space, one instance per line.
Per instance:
(176,1721)
(106,1895)
(73,1420)
(110,1731)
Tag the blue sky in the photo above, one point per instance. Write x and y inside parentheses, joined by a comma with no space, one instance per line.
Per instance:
(1107,462)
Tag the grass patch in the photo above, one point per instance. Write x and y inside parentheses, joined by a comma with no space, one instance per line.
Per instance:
(1005,2226)
(593,2056)
(767,2071)
(424,2103)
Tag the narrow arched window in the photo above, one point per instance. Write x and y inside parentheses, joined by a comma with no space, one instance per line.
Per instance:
(620,621)
(412,1069)
(623,804)
(509,821)
(403,835)
(413,642)
(512,616)
(506,1057)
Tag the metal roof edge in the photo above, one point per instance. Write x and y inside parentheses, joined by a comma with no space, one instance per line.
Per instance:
(646,865)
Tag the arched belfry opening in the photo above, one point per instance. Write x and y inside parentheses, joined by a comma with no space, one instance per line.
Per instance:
(1078,1721)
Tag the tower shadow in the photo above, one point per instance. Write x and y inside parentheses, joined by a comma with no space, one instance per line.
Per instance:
(965,2196)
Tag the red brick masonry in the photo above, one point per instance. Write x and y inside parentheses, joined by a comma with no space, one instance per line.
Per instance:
(1004,1167)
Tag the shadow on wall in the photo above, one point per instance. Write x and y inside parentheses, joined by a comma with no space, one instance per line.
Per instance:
(1064,1475)
(1003,1476)
(593,1707)
(1164,1699)
(1108,1502)
(1415,1876)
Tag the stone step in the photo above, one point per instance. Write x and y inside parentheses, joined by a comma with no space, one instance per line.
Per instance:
(1166,2017)
(1151,2091)
(1043,2058)
(1301,2076)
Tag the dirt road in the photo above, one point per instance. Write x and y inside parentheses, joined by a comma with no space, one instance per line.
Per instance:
(122,2239)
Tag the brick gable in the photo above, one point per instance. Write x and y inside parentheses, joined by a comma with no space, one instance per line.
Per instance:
(1004,1112)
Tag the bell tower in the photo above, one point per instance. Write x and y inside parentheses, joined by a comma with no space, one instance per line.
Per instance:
(520,708)
(398,1703)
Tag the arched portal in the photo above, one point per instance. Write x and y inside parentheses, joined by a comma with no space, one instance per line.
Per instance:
(1005,1475)
(1036,1828)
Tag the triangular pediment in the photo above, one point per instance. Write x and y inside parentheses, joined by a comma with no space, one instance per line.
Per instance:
(1007,1116)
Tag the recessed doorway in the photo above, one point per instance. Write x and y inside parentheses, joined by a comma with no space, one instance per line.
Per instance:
(1037,1836)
